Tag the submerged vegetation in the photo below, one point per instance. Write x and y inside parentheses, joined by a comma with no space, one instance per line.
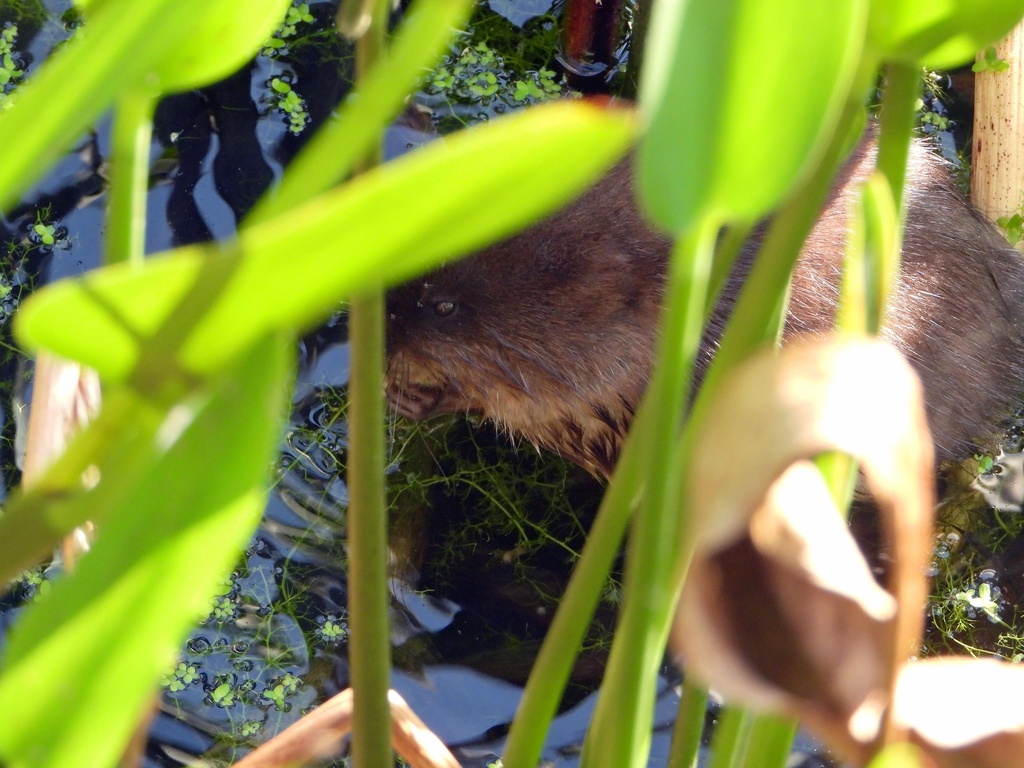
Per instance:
(468,86)
(10,67)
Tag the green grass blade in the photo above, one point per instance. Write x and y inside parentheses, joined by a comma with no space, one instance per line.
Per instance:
(731,731)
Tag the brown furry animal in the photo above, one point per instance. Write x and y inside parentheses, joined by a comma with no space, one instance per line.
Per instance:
(550,333)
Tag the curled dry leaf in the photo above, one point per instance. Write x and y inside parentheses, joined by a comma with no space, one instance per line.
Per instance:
(963,712)
(320,735)
(780,609)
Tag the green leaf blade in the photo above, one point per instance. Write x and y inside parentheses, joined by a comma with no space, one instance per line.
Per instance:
(386,226)
(938,35)
(94,649)
(195,43)
(738,153)
(225,36)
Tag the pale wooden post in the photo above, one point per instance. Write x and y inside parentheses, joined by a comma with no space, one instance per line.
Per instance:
(997,178)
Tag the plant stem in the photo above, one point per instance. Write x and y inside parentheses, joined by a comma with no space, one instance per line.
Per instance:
(689,727)
(896,124)
(369,639)
(129,176)
(563,639)
(620,732)
(769,742)
(730,733)
(909,548)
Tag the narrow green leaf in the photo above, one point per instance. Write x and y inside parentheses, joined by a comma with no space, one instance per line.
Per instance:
(736,154)
(769,742)
(153,45)
(93,650)
(872,258)
(657,556)
(938,34)
(113,53)
(689,726)
(122,440)
(562,643)
(330,155)
(225,35)
(384,227)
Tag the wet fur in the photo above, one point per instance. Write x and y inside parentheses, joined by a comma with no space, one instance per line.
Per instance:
(552,331)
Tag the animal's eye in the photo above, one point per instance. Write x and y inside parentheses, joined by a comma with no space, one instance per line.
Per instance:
(445,308)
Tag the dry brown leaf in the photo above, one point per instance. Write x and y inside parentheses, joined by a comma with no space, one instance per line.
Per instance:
(65,397)
(964,712)
(319,736)
(765,620)
(780,609)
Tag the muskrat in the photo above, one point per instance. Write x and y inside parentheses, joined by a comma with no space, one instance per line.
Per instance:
(550,333)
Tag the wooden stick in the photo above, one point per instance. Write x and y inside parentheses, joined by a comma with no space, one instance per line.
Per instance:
(997,179)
